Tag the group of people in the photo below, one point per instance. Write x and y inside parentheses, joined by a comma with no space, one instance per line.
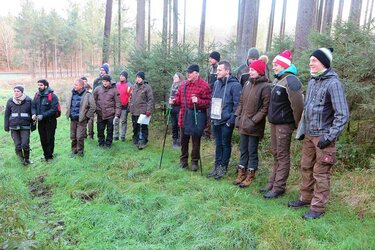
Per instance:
(244,102)
(224,102)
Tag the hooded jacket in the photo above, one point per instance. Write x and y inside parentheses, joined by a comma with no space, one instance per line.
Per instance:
(42,106)
(107,101)
(142,99)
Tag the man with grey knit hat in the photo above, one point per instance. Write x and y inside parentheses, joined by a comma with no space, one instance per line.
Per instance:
(243,70)
(325,115)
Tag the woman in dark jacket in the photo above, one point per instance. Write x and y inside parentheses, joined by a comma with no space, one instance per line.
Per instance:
(251,119)
(177,80)
(18,120)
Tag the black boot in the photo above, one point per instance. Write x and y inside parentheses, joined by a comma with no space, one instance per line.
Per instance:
(26,154)
(20,156)
(221,171)
(213,172)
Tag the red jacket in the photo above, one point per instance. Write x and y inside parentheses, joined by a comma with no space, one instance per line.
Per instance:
(125,91)
(200,89)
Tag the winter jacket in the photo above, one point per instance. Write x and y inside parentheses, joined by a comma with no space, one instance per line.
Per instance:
(125,89)
(98,82)
(200,89)
(42,106)
(107,101)
(286,104)
(18,116)
(142,99)
(173,91)
(86,106)
(253,108)
(229,90)
(212,76)
(326,111)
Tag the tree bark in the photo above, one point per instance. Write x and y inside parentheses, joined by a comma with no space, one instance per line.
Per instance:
(270,26)
(304,24)
(107,31)
(165,24)
(282,25)
(202,26)
(119,34)
(169,24)
(370,16)
(341,8)
(184,34)
(140,25)
(355,12)
(149,27)
(175,23)
(240,18)
(249,29)
(327,17)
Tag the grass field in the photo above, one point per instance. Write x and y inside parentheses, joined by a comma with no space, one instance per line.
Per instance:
(118,198)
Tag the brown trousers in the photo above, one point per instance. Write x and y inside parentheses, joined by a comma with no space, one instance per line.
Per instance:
(281,135)
(195,152)
(316,166)
(77,135)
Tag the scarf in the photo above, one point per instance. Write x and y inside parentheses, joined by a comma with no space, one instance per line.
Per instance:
(19,100)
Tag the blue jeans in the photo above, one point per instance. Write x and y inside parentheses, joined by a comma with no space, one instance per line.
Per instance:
(223,139)
(249,151)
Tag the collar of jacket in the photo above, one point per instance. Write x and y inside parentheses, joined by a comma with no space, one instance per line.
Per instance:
(326,74)
(259,79)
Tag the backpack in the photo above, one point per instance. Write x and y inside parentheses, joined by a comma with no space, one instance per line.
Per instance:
(49,98)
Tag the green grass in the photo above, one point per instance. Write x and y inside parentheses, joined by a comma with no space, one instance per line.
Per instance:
(118,198)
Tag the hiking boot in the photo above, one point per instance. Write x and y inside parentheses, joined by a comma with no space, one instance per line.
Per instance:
(298,204)
(250,174)
(241,175)
(141,145)
(26,154)
(265,189)
(213,172)
(183,165)
(221,171)
(271,194)
(175,143)
(311,215)
(20,156)
(194,167)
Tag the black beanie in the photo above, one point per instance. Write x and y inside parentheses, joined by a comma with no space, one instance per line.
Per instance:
(19,87)
(106,78)
(124,73)
(141,74)
(215,55)
(324,55)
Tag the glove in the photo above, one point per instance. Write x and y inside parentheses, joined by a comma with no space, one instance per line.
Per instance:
(39,117)
(115,120)
(323,143)
(148,114)
(301,138)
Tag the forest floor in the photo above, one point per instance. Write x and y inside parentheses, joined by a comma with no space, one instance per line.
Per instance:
(118,198)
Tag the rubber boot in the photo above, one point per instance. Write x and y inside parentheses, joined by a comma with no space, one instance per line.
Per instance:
(250,174)
(20,156)
(241,175)
(26,154)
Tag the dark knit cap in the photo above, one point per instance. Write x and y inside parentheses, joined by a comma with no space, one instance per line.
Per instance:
(253,53)
(140,74)
(324,55)
(215,55)
(19,87)
(105,67)
(84,78)
(124,73)
(106,78)
(192,68)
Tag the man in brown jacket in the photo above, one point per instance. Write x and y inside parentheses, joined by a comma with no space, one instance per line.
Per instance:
(108,109)
(142,102)
(80,108)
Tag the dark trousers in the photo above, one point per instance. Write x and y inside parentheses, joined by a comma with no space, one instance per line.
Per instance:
(140,131)
(90,127)
(249,151)
(195,152)
(174,122)
(223,138)
(47,129)
(21,139)
(77,136)
(102,126)
(281,135)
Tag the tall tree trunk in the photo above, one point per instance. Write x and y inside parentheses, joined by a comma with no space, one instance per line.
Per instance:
(240,18)
(341,8)
(140,25)
(164,33)
(45,59)
(355,11)
(282,25)
(169,24)
(256,18)
(370,16)
(327,18)
(119,34)
(175,23)
(184,34)
(249,28)
(55,59)
(202,29)
(319,15)
(304,24)
(270,26)
(107,31)
(149,27)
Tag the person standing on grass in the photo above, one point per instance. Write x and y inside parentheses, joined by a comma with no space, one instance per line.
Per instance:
(225,99)
(90,123)
(103,70)
(243,70)
(17,119)
(325,114)
(45,109)
(80,108)
(142,102)
(108,110)
(284,114)
(177,80)
(193,94)
(251,120)
(125,89)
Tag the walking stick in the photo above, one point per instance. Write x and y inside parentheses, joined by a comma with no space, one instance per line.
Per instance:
(165,135)
(195,114)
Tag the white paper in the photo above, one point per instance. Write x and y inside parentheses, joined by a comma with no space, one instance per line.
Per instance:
(216,108)
(143,119)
